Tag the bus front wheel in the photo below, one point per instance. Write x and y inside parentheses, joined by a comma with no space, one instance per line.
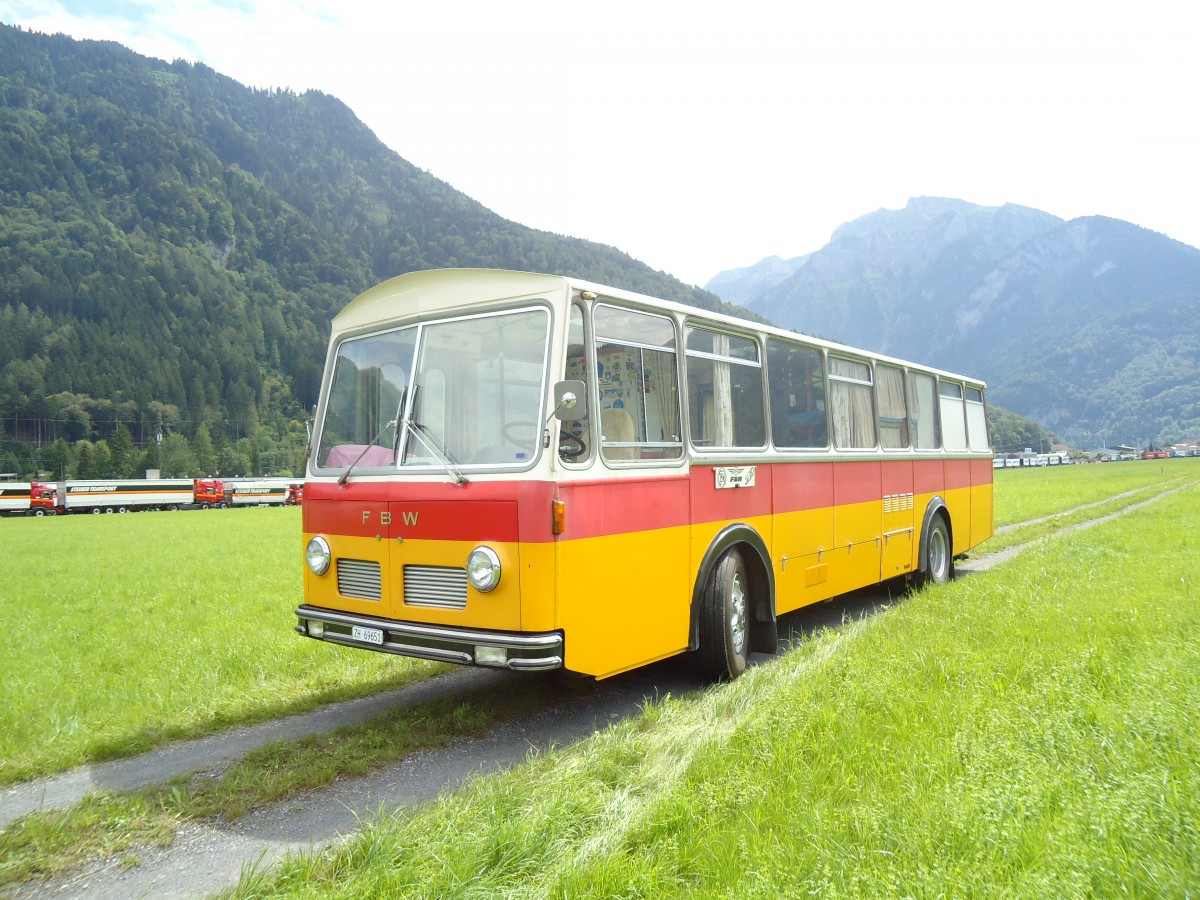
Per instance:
(725,619)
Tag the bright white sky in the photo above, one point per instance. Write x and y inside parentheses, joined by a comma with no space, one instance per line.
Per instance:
(700,136)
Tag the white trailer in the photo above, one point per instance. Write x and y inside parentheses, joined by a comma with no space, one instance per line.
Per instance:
(14,498)
(124,495)
(260,492)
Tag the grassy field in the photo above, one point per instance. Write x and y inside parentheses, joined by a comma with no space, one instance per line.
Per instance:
(126,631)
(182,626)
(1029,732)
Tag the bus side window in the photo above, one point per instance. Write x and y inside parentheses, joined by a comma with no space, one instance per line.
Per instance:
(889,399)
(725,389)
(851,398)
(923,411)
(977,430)
(796,377)
(580,449)
(953,416)
(639,394)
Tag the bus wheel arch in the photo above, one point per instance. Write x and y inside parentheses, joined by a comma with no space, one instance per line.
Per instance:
(735,570)
(935,560)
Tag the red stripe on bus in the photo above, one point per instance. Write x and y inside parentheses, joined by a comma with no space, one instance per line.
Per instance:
(958,473)
(803,486)
(620,506)
(981,471)
(521,510)
(713,504)
(494,511)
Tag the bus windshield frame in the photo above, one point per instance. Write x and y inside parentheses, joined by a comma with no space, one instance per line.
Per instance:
(463,392)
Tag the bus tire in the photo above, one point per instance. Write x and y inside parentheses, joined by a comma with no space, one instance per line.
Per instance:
(725,619)
(939,558)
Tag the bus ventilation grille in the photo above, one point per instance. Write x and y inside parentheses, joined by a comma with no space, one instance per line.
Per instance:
(359,578)
(438,586)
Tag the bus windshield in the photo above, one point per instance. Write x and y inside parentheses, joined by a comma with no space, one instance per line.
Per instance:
(472,387)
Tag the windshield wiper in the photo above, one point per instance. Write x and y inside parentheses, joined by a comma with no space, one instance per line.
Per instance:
(427,441)
(373,443)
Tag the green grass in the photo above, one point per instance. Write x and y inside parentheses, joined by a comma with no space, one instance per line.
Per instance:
(126,631)
(129,631)
(242,564)
(1024,494)
(1029,732)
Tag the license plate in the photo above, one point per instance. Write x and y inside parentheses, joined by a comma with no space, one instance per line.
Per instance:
(370,635)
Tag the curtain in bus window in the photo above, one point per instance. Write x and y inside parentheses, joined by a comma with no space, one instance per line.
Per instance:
(922,411)
(796,380)
(954,423)
(850,404)
(660,399)
(977,430)
(725,390)
(893,417)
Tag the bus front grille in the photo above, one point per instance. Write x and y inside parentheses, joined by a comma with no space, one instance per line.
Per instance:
(442,587)
(359,578)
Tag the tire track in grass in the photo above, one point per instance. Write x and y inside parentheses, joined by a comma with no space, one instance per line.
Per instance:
(985,561)
(1075,509)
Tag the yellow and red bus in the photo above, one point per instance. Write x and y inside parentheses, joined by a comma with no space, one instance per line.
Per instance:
(536,472)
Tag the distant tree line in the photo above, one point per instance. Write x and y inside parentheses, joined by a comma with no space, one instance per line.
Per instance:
(174,456)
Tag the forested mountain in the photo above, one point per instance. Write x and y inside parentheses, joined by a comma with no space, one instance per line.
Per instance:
(174,244)
(1089,327)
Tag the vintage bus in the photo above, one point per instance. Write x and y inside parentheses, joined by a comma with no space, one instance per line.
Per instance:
(536,472)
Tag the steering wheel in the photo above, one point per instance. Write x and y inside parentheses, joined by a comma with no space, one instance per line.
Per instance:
(570,446)
(514,425)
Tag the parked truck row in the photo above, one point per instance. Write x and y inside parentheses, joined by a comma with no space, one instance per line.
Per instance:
(37,498)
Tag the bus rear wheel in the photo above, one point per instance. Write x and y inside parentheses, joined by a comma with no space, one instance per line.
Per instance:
(725,619)
(939,560)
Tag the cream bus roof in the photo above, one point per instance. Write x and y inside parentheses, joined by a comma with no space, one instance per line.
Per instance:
(437,290)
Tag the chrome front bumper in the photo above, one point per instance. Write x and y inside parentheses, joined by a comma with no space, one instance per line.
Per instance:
(443,643)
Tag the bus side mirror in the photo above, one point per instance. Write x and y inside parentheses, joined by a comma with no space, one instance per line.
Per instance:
(570,401)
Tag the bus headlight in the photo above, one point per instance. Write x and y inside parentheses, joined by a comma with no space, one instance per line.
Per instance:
(483,569)
(317,555)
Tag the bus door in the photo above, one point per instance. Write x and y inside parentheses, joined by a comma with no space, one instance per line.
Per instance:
(624,584)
